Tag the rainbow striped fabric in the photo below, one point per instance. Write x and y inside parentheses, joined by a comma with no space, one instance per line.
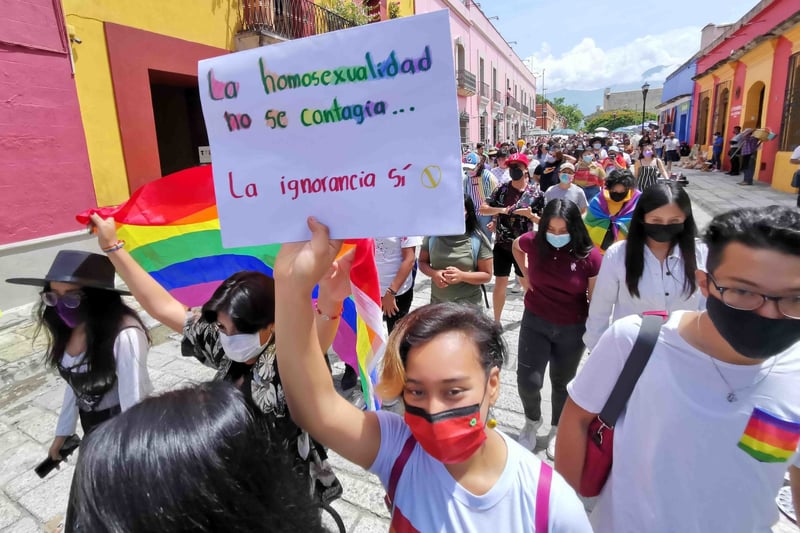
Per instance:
(598,218)
(171,228)
(768,438)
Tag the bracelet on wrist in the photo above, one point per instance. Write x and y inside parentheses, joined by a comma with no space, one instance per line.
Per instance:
(323,315)
(114,247)
(391,291)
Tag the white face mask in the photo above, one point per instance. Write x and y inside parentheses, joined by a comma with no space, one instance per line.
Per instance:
(241,347)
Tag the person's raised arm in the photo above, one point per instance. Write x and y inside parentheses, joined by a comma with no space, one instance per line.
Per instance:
(154,298)
(313,401)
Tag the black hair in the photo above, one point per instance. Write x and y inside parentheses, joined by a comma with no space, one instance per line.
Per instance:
(103,312)
(502,153)
(771,228)
(580,243)
(652,198)
(425,323)
(197,459)
(471,222)
(619,176)
(479,145)
(248,297)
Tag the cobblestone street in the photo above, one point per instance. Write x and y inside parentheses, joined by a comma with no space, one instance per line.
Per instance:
(30,397)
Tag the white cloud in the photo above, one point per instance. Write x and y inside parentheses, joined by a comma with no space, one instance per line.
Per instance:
(586,66)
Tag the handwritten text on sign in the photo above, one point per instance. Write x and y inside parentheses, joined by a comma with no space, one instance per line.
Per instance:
(357,127)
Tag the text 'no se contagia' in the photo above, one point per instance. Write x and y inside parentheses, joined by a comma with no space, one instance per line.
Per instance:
(274,82)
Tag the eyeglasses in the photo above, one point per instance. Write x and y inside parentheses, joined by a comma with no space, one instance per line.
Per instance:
(71,300)
(745,300)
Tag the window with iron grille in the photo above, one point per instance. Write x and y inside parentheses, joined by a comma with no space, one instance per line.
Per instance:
(464,127)
(790,125)
(483,128)
(701,133)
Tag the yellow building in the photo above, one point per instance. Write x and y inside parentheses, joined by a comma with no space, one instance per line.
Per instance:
(136,75)
(750,77)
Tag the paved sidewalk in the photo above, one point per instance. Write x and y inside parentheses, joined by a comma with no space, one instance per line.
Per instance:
(716,192)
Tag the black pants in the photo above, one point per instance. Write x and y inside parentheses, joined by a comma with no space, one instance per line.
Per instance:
(749,167)
(91,419)
(542,342)
(404,305)
(735,165)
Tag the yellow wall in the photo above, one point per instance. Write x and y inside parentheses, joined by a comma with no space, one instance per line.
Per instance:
(782,176)
(406,7)
(211,22)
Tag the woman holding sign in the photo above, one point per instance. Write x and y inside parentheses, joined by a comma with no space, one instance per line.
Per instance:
(444,464)
(234,332)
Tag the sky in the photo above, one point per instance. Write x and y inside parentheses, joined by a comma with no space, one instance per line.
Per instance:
(584,45)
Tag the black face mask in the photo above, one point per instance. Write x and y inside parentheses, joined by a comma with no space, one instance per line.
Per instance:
(515,172)
(663,232)
(751,334)
(617,196)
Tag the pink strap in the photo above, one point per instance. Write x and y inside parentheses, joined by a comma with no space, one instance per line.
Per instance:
(399,465)
(543,498)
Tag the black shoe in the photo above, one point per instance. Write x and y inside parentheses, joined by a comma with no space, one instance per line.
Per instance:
(350,378)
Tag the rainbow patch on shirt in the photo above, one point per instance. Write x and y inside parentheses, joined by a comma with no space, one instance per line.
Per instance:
(768,438)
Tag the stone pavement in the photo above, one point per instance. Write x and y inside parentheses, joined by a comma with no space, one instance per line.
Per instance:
(30,396)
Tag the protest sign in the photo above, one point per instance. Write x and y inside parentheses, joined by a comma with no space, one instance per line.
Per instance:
(358,128)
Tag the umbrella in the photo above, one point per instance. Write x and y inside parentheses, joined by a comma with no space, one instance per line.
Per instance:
(598,130)
(564,131)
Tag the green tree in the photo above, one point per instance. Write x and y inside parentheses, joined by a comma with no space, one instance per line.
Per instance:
(616,119)
(571,112)
(349,10)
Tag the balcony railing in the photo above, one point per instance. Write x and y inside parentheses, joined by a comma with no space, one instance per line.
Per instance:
(498,97)
(485,90)
(466,83)
(291,19)
(525,110)
(512,102)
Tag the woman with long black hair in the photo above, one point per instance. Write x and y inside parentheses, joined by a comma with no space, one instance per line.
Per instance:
(654,269)
(561,264)
(97,343)
(233,333)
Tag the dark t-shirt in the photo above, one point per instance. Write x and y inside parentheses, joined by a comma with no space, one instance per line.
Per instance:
(509,227)
(548,174)
(559,282)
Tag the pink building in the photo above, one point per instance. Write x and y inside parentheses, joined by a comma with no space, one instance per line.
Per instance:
(496,91)
(45,178)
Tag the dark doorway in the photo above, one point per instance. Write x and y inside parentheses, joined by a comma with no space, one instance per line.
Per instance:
(180,129)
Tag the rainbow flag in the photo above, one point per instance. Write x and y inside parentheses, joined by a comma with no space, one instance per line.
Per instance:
(171,228)
(770,439)
(598,218)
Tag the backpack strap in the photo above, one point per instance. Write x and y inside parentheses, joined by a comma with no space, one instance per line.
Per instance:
(397,470)
(542,516)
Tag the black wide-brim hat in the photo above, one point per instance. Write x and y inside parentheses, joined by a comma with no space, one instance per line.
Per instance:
(81,268)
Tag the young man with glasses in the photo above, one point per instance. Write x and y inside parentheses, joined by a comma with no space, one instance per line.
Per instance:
(713,423)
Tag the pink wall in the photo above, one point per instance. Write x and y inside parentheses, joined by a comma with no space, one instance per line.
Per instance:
(481,39)
(44,167)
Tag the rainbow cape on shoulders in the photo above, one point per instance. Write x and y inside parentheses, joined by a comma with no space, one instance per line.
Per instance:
(598,219)
(171,228)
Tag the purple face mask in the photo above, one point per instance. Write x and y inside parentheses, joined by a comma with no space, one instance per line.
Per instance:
(70,316)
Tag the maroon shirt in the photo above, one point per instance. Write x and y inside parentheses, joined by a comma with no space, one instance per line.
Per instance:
(559,282)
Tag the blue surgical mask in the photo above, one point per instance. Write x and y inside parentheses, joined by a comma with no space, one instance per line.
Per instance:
(558,241)
(564,177)
(588,158)
(596,146)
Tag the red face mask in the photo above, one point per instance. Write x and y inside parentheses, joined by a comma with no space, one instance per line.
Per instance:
(450,436)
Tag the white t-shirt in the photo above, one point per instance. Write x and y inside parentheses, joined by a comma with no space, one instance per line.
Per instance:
(677,464)
(433,501)
(660,288)
(671,144)
(132,385)
(795,154)
(389,256)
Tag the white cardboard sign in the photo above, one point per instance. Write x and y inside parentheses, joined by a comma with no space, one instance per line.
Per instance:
(357,127)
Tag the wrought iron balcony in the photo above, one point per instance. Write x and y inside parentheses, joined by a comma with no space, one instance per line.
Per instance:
(485,90)
(466,83)
(498,97)
(290,19)
(525,110)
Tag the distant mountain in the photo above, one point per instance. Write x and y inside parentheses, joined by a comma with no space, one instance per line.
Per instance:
(588,101)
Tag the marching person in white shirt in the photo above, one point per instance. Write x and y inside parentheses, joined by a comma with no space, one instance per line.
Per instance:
(653,270)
